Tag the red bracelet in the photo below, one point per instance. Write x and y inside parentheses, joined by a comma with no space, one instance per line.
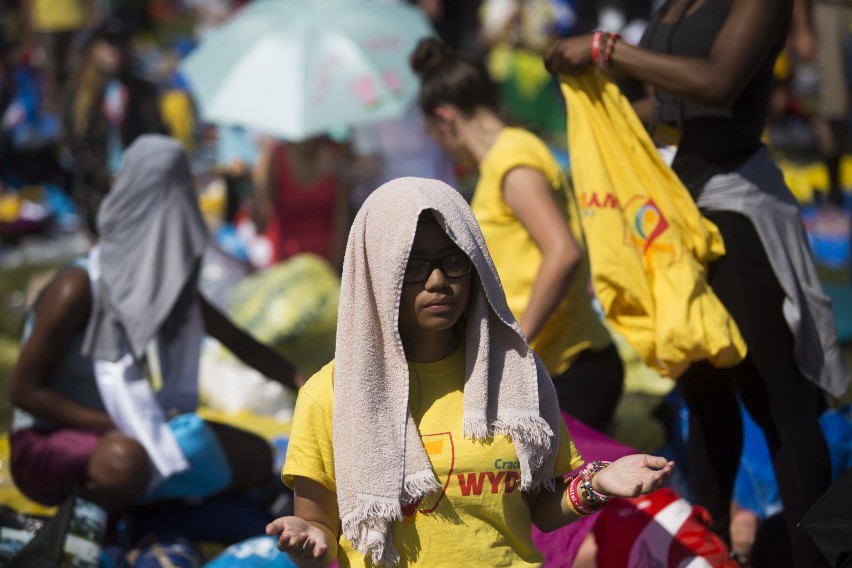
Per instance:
(596,48)
(574,500)
(610,45)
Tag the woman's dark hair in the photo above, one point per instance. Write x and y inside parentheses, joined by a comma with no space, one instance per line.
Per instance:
(447,77)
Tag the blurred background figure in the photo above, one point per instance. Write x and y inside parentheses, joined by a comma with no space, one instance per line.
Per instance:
(300,203)
(820,34)
(57,27)
(107,107)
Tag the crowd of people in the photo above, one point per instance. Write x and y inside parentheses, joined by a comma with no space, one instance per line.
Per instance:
(467,331)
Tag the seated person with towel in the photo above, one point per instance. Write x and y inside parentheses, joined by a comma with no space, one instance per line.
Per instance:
(111,353)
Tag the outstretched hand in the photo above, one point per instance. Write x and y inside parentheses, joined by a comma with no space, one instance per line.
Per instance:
(633,475)
(298,538)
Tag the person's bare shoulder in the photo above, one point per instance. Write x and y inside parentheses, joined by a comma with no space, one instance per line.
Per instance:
(66,300)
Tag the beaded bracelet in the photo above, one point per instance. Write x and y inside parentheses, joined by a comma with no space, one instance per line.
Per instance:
(588,473)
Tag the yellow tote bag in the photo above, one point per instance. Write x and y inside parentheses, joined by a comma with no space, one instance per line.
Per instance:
(648,244)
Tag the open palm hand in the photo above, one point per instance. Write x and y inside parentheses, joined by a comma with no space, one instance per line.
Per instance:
(633,475)
(298,537)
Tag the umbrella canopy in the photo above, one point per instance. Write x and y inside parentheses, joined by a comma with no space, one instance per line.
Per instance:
(829,522)
(297,68)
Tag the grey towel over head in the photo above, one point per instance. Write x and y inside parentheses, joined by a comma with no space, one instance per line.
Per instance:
(151,240)
(380,462)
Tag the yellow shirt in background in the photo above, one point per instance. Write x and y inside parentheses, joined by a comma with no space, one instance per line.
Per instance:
(58,15)
(480,518)
(574,326)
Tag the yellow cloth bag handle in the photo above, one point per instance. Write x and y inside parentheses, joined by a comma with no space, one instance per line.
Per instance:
(648,244)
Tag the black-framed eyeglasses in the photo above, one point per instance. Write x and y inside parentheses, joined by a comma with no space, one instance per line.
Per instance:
(453,266)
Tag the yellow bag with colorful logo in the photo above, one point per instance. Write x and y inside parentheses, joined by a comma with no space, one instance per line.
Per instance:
(648,244)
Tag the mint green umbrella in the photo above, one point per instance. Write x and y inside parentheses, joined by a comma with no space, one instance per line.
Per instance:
(297,68)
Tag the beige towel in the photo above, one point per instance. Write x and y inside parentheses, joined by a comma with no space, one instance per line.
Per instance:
(380,462)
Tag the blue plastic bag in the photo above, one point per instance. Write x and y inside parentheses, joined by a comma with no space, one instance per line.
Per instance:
(209,471)
(257,552)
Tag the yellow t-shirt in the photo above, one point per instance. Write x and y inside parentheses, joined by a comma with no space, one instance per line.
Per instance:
(574,326)
(480,518)
(58,15)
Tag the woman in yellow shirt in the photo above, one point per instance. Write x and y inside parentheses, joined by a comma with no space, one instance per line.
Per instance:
(434,438)
(526,209)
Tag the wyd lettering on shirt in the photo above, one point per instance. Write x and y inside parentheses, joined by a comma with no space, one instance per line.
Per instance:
(440,447)
(474,483)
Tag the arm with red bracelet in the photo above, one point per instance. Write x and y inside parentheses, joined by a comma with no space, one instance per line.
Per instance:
(629,476)
(744,41)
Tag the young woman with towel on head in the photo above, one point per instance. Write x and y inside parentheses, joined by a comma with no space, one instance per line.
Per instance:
(434,438)
(532,227)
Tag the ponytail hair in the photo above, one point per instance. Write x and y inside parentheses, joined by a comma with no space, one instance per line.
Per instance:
(448,77)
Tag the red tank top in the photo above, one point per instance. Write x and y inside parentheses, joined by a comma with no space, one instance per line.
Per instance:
(302,215)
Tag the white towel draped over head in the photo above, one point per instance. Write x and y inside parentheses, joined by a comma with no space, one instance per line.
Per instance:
(380,462)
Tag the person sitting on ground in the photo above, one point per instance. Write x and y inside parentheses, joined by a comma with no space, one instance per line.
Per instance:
(85,415)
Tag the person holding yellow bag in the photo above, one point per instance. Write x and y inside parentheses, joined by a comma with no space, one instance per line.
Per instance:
(531,224)
(711,62)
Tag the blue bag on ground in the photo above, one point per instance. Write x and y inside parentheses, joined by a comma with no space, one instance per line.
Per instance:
(256,552)
(208,473)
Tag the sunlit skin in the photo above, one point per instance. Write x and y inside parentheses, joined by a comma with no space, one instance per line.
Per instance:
(430,310)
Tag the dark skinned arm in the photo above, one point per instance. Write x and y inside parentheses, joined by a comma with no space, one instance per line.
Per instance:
(249,350)
(61,311)
(746,38)
(802,39)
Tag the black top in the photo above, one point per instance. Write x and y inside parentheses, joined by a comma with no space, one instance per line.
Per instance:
(714,139)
